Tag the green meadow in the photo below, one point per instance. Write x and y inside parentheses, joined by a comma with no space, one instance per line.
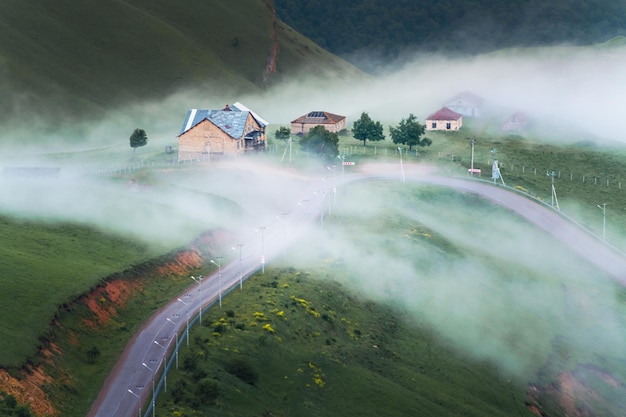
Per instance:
(587,171)
(338,330)
(77,59)
(44,266)
(48,265)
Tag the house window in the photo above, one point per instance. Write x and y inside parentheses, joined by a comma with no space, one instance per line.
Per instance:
(434,125)
(448,126)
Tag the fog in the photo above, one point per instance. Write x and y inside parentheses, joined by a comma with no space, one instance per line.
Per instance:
(574,88)
(566,90)
(509,312)
(483,280)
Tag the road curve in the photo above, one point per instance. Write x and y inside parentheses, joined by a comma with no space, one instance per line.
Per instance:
(138,372)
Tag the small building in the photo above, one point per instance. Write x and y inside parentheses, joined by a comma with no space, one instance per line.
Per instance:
(444,119)
(331,122)
(466,103)
(515,123)
(232,130)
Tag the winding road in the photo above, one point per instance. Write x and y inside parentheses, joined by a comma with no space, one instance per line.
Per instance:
(138,373)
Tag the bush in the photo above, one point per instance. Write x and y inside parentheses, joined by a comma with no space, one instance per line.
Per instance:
(243,370)
(179,392)
(190,362)
(208,391)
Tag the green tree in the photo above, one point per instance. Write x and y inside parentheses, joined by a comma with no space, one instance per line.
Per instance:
(282,133)
(321,142)
(137,139)
(409,132)
(367,129)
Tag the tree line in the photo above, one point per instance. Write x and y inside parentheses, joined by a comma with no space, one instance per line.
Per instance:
(388,29)
(323,143)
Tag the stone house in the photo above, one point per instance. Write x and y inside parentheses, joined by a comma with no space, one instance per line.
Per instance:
(331,122)
(444,119)
(232,130)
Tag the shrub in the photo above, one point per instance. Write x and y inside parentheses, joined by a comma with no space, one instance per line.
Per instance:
(179,392)
(208,391)
(243,370)
(190,362)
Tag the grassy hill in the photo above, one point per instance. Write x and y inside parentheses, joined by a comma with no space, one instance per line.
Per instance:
(72,58)
(406,303)
(425,232)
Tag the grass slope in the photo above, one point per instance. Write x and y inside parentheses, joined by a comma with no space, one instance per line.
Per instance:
(92,56)
(588,171)
(80,380)
(46,263)
(43,267)
(306,347)
(310,340)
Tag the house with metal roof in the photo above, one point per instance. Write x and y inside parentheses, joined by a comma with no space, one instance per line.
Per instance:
(232,130)
(444,119)
(331,122)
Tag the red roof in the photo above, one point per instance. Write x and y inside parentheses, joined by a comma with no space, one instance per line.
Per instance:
(444,114)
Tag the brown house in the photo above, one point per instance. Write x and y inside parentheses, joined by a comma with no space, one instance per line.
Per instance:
(444,119)
(331,122)
(230,131)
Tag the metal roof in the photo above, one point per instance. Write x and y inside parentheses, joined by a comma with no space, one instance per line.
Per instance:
(258,118)
(319,117)
(231,122)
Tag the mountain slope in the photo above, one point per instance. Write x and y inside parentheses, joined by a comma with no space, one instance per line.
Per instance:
(90,56)
(387,29)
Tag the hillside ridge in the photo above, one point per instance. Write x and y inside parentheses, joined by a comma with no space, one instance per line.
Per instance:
(73,60)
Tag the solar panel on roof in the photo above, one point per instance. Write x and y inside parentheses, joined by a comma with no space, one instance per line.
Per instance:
(316,114)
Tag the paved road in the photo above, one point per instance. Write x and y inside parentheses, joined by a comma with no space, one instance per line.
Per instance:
(139,369)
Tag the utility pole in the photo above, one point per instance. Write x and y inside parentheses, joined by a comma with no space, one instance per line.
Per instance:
(495,169)
(555,200)
(401,165)
(603,208)
(240,246)
(343,159)
(472,143)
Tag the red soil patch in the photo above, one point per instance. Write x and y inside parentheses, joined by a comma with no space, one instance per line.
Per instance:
(104,302)
(27,390)
(183,262)
(573,391)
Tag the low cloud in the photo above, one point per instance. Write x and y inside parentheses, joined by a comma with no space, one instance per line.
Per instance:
(509,313)
(480,278)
